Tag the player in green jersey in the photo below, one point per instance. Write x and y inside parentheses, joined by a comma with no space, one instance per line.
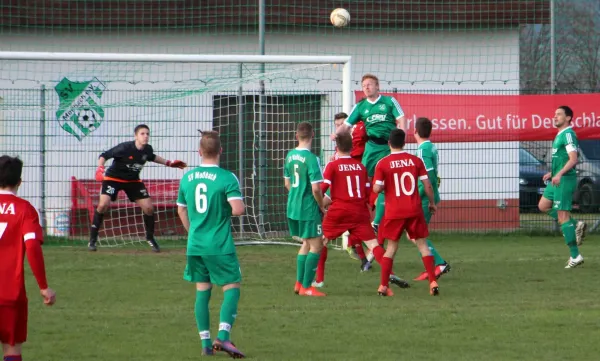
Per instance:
(428,153)
(558,195)
(208,197)
(302,173)
(381,115)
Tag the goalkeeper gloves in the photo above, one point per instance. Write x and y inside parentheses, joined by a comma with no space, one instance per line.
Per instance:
(100,173)
(176,164)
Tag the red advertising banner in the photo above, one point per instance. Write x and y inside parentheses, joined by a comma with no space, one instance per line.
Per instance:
(486,118)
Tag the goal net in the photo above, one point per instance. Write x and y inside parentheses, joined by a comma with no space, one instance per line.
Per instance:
(61,110)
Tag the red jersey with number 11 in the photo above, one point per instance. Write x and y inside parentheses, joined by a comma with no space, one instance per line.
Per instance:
(399,174)
(349,183)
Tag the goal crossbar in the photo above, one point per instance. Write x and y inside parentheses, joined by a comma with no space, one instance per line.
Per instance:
(197,58)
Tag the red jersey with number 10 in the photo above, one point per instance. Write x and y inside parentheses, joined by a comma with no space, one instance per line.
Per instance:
(349,182)
(399,174)
(19,222)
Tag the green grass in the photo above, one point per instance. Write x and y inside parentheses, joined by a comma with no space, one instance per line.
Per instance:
(507,298)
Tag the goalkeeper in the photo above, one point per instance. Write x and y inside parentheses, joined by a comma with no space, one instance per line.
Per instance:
(124,175)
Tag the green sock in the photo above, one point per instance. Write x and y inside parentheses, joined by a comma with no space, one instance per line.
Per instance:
(312,261)
(568,231)
(553,214)
(573,221)
(436,256)
(300,264)
(231,297)
(379,208)
(203,317)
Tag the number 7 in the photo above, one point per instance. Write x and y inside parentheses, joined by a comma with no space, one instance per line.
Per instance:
(3,226)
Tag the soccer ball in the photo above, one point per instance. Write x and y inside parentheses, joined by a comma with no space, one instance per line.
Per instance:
(340,17)
(87,118)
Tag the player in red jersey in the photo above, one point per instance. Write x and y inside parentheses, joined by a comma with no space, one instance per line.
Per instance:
(397,175)
(350,192)
(20,235)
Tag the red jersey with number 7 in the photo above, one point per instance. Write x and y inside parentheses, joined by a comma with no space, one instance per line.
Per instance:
(399,174)
(349,184)
(19,223)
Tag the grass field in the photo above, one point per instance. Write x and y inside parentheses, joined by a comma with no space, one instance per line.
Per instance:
(507,298)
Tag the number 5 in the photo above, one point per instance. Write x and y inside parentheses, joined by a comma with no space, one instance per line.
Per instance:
(296,177)
(3,226)
(319,229)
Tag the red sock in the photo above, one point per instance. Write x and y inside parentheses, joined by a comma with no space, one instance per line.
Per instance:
(320,277)
(429,264)
(13,358)
(386,268)
(378,253)
(360,251)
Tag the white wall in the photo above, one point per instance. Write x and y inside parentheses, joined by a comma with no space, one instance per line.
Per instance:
(411,61)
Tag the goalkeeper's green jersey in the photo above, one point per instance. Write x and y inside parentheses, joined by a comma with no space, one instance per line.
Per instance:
(206,191)
(302,168)
(564,143)
(379,116)
(428,153)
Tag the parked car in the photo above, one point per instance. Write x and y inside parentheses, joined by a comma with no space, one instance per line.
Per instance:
(587,195)
(531,185)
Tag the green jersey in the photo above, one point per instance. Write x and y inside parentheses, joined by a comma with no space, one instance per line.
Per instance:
(206,192)
(302,168)
(379,116)
(428,153)
(564,143)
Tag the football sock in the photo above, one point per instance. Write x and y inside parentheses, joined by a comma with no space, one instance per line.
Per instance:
(149,223)
(568,230)
(436,256)
(312,260)
(574,221)
(378,253)
(203,316)
(320,277)
(231,297)
(429,267)
(96,224)
(386,269)
(360,251)
(379,208)
(300,265)
(13,358)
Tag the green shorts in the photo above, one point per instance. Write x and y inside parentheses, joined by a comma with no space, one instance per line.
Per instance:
(219,270)
(305,229)
(562,195)
(373,154)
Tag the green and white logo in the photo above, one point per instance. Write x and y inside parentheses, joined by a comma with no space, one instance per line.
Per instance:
(79,112)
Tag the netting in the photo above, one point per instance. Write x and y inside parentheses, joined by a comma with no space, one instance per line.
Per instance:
(467,64)
(70,111)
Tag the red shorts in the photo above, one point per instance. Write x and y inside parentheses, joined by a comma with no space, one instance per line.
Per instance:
(392,229)
(13,323)
(337,222)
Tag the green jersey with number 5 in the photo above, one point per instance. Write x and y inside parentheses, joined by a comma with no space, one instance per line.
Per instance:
(302,168)
(206,191)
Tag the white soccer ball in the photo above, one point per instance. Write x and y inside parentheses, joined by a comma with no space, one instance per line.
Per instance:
(340,17)
(87,118)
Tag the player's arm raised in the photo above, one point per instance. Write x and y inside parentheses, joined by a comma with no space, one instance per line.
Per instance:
(353,118)
(399,115)
(33,238)
(170,163)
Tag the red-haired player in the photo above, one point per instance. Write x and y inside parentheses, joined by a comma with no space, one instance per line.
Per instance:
(20,236)
(397,175)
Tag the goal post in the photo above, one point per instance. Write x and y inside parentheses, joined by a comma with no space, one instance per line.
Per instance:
(77,105)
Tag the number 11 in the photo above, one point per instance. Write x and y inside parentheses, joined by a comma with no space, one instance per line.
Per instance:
(349,182)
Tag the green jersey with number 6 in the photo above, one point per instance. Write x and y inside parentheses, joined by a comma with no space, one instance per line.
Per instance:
(206,191)
(564,143)
(302,168)
(428,153)
(379,116)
